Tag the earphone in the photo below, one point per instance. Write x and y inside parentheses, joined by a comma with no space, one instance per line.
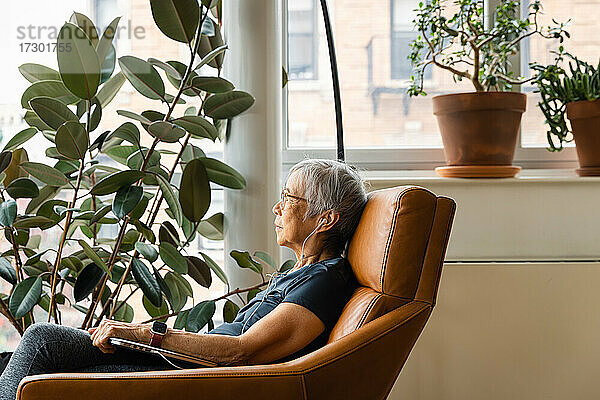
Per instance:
(276,274)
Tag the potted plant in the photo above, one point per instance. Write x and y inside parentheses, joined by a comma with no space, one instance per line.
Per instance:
(573,94)
(113,178)
(479,129)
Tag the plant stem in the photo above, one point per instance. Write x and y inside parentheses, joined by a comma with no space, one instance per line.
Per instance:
(61,245)
(233,292)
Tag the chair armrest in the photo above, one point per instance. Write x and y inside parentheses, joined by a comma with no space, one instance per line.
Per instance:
(251,382)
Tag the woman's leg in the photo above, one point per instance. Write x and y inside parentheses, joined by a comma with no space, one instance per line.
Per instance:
(48,348)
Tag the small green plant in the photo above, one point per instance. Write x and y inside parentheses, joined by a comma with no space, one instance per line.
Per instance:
(464,46)
(557,87)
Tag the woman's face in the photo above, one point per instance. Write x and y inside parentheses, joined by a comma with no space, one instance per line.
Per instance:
(290,228)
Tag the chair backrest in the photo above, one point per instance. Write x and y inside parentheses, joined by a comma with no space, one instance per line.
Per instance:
(396,253)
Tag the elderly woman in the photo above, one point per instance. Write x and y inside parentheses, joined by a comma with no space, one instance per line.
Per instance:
(319,209)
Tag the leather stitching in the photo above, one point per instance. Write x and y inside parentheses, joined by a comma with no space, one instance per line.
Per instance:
(238,375)
(304,387)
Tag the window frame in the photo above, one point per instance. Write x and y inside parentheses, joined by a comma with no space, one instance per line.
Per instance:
(403,158)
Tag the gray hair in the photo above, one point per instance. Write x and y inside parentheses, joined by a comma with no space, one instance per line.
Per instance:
(333,185)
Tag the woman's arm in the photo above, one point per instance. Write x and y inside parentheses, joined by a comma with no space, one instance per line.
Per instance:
(285,330)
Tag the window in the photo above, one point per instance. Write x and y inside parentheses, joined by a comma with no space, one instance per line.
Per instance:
(402,35)
(302,39)
(383,127)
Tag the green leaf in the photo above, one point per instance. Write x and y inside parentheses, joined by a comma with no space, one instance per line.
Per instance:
(139,210)
(124,313)
(161,282)
(286,266)
(45,173)
(213,53)
(194,192)
(46,192)
(34,222)
(199,271)
(72,140)
(230,310)
(212,227)
(178,291)
(53,89)
(135,116)
(7,272)
(243,259)
(100,214)
(14,171)
(181,68)
(96,115)
(143,77)
(114,182)
(181,320)
(87,26)
(154,311)
(169,195)
(79,68)
(265,257)
(197,126)
(87,280)
(210,44)
(177,19)
(171,257)
(106,41)
(252,293)
(147,282)
(199,316)
(227,105)
(25,295)
(23,188)
(128,132)
(37,72)
(108,66)
(166,131)
(168,233)
(215,268)
(110,88)
(93,255)
(5,158)
(34,121)
(222,174)
(20,138)
(147,250)
(212,84)
(53,112)
(126,200)
(136,159)
(168,68)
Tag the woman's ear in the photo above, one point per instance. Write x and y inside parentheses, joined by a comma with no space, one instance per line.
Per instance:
(328,220)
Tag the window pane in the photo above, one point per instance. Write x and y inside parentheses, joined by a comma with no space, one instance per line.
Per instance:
(584,43)
(301,40)
(371,46)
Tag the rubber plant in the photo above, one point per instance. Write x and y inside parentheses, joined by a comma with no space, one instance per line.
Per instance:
(479,129)
(87,271)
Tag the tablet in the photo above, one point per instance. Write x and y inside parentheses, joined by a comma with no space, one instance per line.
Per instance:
(145,348)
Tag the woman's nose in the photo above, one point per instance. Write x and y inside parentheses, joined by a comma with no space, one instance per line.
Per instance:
(277,208)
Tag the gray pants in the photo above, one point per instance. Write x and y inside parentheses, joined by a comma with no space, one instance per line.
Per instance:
(47,348)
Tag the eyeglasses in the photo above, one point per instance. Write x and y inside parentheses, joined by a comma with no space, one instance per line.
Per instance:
(285,195)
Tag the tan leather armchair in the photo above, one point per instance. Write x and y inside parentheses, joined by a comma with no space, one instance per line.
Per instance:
(396,253)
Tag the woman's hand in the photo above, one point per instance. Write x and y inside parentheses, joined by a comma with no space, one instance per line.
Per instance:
(109,328)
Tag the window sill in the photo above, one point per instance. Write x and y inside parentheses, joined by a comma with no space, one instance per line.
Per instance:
(429,177)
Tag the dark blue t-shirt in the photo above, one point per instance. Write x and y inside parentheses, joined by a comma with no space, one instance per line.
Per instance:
(323,287)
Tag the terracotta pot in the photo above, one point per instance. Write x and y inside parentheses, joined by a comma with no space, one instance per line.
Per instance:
(479,128)
(585,123)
